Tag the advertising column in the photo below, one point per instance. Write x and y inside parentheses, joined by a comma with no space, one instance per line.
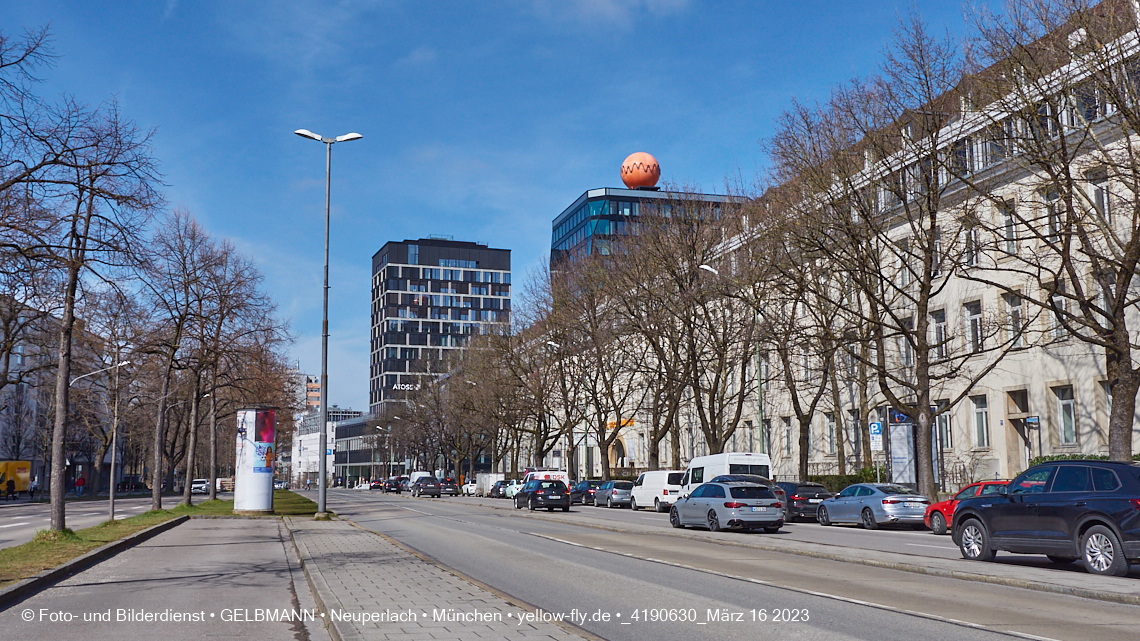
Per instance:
(253,479)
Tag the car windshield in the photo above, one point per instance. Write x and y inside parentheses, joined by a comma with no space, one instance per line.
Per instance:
(751,492)
(811,489)
(623,485)
(895,489)
(675,478)
(428,479)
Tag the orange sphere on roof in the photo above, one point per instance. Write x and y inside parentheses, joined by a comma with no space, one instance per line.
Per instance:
(640,170)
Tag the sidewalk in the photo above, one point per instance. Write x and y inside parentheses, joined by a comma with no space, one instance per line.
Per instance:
(371,588)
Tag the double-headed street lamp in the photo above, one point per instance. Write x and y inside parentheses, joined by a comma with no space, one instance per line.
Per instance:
(324,444)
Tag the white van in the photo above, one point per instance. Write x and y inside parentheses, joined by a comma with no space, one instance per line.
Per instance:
(658,488)
(703,469)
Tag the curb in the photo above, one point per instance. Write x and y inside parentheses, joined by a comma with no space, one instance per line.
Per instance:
(318,586)
(1097,595)
(23,589)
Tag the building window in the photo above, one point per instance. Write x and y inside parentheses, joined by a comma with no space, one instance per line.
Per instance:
(942,423)
(1052,216)
(787,421)
(906,347)
(1101,199)
(765,436)
(936,251)
(1066,414)
(831,433)
(981,421)
(413,254)
(1009,228)
(1060,306)
(853,422)
(1016,316)
(973,249)
(938,325)
(903,249)
(974,326)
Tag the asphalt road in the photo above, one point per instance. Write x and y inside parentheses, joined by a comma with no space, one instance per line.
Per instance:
(561,567)
(20,522)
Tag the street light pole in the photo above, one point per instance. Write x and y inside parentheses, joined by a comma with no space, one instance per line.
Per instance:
(322,459)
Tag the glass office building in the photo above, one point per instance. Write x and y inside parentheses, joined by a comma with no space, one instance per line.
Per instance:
(430,296)
(600,215)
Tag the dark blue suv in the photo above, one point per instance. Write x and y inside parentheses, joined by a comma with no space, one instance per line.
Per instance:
(1067,510)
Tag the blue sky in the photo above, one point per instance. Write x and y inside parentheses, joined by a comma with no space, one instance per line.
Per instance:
(481,120)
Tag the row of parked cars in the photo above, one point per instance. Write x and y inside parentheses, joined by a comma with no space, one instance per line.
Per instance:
(419,484)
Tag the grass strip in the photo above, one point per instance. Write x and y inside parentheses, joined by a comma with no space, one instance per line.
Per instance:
(50,549)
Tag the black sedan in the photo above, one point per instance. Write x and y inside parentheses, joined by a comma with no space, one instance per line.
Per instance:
(1087,511)
(543,493)
(376,485)
(803,499)
(583,491)
(496,491)
(427,485)
(449,486)
(393,485)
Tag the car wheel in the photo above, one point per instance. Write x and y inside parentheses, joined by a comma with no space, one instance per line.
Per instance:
(610,502)
(712,521)
(549,509)
(530,505)
(633,504)
(821,516)
(675,519)
(869,520)
(773,529)
(974,542)
(565,508)
(656,505)
(518,506)
(1103,553)
(938,523)
(1061,560)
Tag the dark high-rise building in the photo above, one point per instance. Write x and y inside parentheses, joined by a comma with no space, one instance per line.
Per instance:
(428,297)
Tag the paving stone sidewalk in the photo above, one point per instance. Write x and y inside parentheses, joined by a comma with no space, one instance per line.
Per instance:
(374,589)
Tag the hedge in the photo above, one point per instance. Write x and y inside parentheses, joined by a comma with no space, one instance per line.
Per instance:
(1073,457)
(836,482)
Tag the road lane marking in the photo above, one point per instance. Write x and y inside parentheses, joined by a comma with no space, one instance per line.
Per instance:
(823,595)
(543,536)
(15,524)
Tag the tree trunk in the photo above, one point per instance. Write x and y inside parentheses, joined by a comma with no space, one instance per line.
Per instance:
(805,447)
(214,439)
(62,390)
(840,431)
(159,439)
(1124,382)
(187,495)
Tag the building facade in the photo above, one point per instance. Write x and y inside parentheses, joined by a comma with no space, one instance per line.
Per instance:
(306,451)
(428,297)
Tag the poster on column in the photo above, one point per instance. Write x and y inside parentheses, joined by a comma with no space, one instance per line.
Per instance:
(902,452)
(255,460)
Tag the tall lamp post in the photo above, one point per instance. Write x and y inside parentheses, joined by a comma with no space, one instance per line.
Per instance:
(114,428)
(324,444)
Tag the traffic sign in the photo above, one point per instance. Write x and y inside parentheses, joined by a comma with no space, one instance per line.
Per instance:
(876,437)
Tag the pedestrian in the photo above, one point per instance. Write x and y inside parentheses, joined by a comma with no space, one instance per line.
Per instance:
(32,489)
(79,483)
(10,490)
(308,483)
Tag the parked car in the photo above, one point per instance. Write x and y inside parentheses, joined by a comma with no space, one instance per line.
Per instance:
(449,486)
(733,504)
(378,484)
(1066,510)
(549,494)
(874,504)
(803,499)
(428,485)
(393,485)
(753,478)
(405,483)
(468,488)
(659,488)
(200,486)
(613,493)
(939,516)
(497,490)
(583,491)
(702,469)
(511,488)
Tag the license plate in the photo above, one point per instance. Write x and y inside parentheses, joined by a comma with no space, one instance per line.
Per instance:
(555,496)
(815,500)
(759,509)
(914,504)
(673,491)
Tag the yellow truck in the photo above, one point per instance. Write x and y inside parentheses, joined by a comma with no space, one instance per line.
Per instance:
(19,471)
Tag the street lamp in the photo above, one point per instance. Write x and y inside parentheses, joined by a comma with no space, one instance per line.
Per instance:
(322,463)
(709,269)
(114,429)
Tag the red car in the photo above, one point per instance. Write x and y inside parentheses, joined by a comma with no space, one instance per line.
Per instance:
(939,516)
